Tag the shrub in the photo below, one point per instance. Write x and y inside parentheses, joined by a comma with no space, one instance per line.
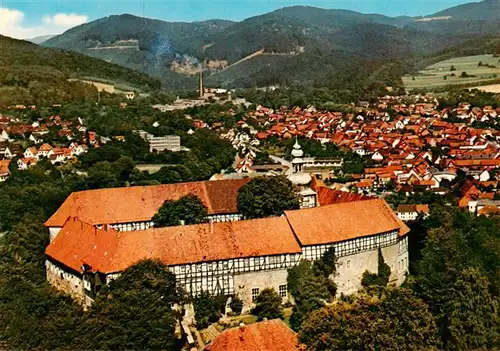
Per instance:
(208,309)
(236,305)
(268,305)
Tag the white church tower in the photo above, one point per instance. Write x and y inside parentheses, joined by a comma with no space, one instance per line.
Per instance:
(301,179)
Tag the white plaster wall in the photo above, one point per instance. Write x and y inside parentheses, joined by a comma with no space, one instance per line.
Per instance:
(244,283)
(53,231)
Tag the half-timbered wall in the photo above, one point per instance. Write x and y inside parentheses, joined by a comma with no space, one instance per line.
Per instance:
(308,201)
(244,275)
(128,227)
(230,217)
(350,247)
(218,277)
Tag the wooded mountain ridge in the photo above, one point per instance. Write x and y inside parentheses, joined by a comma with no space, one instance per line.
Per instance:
(298,44)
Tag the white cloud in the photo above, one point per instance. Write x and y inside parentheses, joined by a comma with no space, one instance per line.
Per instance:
(67,20)
(12,24)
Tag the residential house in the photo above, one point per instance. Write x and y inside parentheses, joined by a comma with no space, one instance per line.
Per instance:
(411,212)
(4,170)
(31,152)
(43,151)
(26,162)
(272,335)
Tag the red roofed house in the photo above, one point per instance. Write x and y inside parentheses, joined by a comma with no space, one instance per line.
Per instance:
(44,150)
(4,170)
(31,152)
(232,258)
(25,163)
(271,335)
(411,212)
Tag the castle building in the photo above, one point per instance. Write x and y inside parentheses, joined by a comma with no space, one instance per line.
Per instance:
(96,235)
(132,208)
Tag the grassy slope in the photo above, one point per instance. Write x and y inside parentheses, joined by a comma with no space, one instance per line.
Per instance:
(433,75)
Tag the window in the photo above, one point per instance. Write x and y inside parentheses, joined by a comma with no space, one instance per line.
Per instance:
(348,264)
(255,293)
(282,290)
(86,285)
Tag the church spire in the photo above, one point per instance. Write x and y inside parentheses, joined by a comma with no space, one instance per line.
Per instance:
(297,149)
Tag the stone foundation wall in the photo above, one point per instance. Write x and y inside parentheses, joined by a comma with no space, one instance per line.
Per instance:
(350,268)
(244,283)
(67,283)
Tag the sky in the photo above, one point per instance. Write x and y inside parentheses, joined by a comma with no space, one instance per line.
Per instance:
(31,18)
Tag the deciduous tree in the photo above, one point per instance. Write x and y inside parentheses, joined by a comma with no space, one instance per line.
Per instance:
(187,210)
(267,196)
(208,309)
(135,311)
(473,318)
(395,321)
(458,297)
(311,287)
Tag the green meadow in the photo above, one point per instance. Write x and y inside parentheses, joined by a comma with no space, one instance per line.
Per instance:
(449,72)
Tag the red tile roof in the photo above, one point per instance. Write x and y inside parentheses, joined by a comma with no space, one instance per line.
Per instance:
(271,335)
(327,196)
(408,208)
(108,251)
(344,221)
(489,210)
(4,167)
(138,204)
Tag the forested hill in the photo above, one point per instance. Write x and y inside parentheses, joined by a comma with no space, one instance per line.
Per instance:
(31,73)
(487,10)
(293,40)
(279,47)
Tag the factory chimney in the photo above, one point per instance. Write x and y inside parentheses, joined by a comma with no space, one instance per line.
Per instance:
(200,87)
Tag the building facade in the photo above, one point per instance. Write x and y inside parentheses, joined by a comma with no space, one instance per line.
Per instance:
(130,209)
(234,258)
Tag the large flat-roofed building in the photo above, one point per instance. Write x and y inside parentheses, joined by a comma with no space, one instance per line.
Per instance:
(233,258)
(162,143)
(168,142)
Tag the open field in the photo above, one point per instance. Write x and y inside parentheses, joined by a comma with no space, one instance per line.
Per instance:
(434,75)
(150,168)
(107,87)
(493,88)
